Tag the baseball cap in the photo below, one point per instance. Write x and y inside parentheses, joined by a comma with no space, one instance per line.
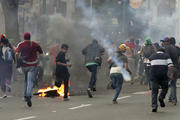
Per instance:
(3,35)
(166,39)
(27,36)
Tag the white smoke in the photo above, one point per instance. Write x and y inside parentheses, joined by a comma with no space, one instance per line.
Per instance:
(91,21)
(158,26)
(58,27)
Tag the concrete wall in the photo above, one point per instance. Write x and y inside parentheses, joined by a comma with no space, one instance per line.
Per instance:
(2,25)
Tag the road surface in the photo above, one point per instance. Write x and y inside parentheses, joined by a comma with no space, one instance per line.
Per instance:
(133,105)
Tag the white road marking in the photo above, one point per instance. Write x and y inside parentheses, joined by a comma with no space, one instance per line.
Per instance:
(141,93)
(27,118)
(120,98)
(6,97)
(178,86)
(54,111)
(81,106)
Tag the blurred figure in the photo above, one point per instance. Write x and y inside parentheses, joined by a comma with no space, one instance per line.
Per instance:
(157,46)
(131,54)
(7,61)
(1,65)
(116,72)
(39,71)
(27,57)
(93,53)
(13,50)
(172,51)
(160,62)
(173,42)
(138,46)
(137,57)
(146,51)
(62,73)
(54,50)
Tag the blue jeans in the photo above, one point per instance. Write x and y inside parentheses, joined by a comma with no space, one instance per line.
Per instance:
(117,82)
(3,81)
(93,70)
(173,93)
(29,73)
(5,77)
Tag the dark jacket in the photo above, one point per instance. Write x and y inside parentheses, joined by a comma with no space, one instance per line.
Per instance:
(173,53)
(61,71)
(1,54)
(92,51)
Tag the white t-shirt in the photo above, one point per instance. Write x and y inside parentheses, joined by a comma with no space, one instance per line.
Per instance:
(4,49)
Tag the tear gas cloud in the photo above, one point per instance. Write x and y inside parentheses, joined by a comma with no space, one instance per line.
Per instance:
(91,21)
(157,26)
(78,32)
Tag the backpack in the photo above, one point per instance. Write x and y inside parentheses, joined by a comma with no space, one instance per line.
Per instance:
(148,51)
(9,56)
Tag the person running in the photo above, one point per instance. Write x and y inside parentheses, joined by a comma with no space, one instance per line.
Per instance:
(115,71)
(28,51)
(7,61)
(62,73)
(172,51)
(93,53)
(160,62)
(146,51)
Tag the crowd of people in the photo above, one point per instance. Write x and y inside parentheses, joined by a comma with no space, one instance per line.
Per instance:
(153,64)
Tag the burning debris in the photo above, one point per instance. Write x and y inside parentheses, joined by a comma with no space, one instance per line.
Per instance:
(52,91)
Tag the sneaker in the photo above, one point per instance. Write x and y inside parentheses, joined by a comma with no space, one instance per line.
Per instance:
(89,93)
(169,100)
(174,102)
(154,110)
(162,104)
(25,98)
(4,96)
(115,102)
(94,89)
(66,99)
(29,103)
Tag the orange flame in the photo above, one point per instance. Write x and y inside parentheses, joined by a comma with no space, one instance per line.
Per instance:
(60,90)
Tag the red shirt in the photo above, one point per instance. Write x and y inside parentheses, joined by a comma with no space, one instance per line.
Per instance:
(28,51)
(54,50)
(131,45)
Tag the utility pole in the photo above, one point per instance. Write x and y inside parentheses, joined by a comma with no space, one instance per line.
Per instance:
(44,7)
(91,6)
(124,24)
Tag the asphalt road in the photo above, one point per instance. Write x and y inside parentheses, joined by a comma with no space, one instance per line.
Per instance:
(134,105)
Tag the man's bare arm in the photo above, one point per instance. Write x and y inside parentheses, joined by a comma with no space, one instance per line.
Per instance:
(16,57)
(171,73)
